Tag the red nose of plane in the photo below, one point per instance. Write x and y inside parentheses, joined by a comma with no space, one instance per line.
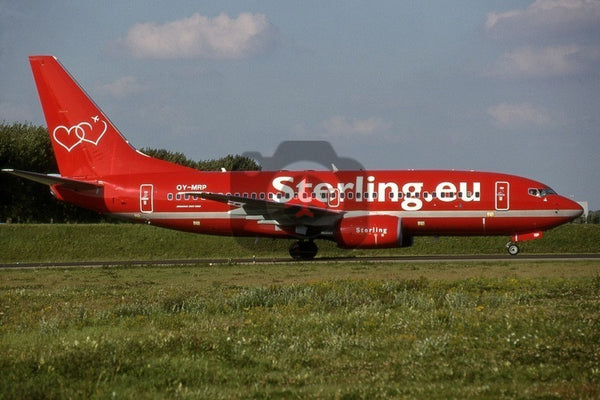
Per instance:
(568,208)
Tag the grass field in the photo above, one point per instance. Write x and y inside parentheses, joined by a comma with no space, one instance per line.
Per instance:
(98,242)
(502,330)
(303,330)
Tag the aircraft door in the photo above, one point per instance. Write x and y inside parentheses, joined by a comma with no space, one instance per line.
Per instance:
(146,198)
(333,198)
(502,196)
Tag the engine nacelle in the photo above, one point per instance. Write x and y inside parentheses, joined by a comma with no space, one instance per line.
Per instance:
(369,232)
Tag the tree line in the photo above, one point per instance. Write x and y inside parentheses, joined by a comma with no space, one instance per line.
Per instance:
(27,147)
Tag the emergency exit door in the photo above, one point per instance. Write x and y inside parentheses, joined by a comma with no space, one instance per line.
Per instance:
(502,196)
(146,198)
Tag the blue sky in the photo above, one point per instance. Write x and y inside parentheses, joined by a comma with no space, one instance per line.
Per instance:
(510,86)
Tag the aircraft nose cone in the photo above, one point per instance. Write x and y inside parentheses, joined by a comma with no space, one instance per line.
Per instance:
(579,211)
(571,208)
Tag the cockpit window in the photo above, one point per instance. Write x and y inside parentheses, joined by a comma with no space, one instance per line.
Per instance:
(542,192)
(546,192)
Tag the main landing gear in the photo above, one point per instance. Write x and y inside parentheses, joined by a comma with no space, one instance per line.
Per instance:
(513,248)
(303,250)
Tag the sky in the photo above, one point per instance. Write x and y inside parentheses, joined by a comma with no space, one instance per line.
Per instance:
(500,85)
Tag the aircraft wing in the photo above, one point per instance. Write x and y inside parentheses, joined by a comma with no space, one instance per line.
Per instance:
(51,179)
(291,213)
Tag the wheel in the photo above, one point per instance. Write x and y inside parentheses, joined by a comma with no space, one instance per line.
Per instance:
(295,251)
(513,249)
(302,250)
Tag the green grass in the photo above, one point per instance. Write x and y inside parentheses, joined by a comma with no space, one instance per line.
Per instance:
(96,242)
(302,330)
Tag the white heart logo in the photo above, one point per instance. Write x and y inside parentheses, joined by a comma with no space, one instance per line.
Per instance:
(69,138)
(93,136)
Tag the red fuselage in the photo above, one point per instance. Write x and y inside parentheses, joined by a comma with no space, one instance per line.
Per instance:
(427,202)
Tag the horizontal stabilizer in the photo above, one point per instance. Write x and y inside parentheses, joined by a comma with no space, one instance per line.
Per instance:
(51,179)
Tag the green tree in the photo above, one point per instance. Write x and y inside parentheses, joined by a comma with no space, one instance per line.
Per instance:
(230,162)
(174,157)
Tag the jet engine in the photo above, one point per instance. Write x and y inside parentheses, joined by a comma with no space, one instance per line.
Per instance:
(368,232)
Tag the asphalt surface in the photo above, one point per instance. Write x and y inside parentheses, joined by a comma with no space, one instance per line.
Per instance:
(284,260)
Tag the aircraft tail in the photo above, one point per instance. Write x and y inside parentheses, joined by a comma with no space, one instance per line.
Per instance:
(86,144)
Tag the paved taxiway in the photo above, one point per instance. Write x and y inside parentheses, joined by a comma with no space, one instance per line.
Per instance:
(283,260)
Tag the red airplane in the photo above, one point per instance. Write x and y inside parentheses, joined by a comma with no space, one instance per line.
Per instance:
(101,171)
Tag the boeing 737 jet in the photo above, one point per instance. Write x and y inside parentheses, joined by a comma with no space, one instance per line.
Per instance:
(101,171)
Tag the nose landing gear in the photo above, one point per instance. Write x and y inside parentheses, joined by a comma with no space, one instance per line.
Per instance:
(513,248)
(303,250)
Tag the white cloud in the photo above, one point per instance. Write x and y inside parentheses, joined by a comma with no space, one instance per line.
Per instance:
(512,115)
(532,62)
(340,126)
(122,87)
(221,37)
(547,17)
(554,38)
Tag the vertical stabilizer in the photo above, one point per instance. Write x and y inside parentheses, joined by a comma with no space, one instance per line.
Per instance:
(86,144)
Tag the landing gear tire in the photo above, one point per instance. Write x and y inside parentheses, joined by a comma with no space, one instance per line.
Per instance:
(303,250)
(513,249)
